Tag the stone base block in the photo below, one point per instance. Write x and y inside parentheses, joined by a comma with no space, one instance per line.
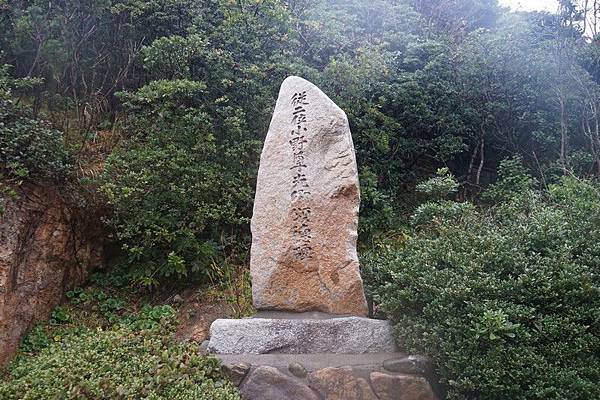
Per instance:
(337,335)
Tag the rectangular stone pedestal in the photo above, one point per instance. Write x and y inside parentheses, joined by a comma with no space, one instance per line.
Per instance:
(301,334)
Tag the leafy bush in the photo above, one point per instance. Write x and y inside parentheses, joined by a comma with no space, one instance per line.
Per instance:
(108,303)
(137,359)
(29,147)
(177,185)
(171,56)
(505,299)
(60,316)
(30,150)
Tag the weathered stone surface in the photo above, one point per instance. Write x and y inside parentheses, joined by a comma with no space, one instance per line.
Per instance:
(312,362)
(47,246)
(401,387)
(409,365)
(340,384)
(286,376)
(236,372)
(351,335)
(298,370)
(304,226)
(268,383)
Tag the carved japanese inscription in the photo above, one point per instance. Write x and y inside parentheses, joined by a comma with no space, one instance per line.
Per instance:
(301,232)
(306,208)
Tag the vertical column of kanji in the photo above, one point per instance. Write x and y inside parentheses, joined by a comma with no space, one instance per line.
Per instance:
(300,195)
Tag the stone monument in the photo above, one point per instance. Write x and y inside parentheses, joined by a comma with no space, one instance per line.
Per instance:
(304,226)
(310,338)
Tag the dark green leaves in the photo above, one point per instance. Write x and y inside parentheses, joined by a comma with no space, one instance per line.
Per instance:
(505,299)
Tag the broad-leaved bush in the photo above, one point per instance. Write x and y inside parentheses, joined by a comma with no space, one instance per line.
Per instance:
(177,185)
(30,149)
(505,298)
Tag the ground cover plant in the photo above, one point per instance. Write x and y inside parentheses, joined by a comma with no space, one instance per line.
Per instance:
(103,344)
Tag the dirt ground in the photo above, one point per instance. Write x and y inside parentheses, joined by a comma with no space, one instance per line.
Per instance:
(196,313)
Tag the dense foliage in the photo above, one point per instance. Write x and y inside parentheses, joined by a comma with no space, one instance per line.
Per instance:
(505,298)
(178,187)
(185,89)
(30,149)
(118,365)
(95,347)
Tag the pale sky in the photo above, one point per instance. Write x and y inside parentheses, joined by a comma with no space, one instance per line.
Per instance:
(530,5)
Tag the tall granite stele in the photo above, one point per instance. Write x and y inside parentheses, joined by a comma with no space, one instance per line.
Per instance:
(306,281)
(304,227)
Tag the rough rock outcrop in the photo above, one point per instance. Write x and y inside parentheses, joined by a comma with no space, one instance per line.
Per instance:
(304,227)
(46,248)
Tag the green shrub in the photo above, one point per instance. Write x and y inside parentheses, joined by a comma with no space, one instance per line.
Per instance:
(179,185)
(137,359)
(505,299)
(60,315)
(30,150)
(29,147)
